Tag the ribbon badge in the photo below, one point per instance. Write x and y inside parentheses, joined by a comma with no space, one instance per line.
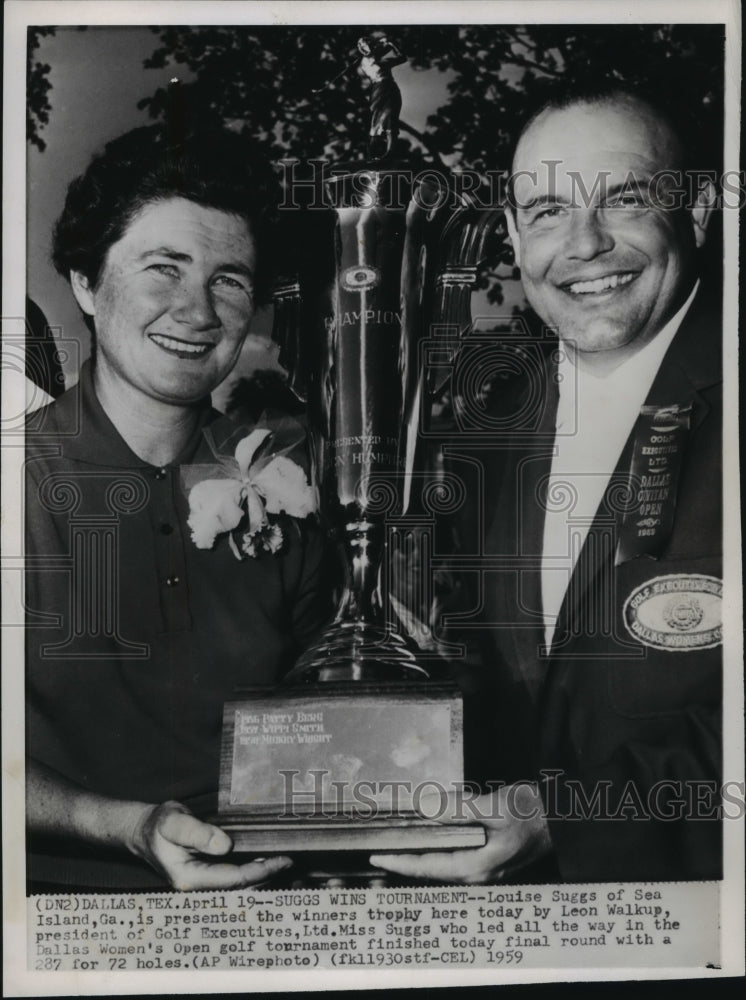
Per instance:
(240,491)
(659,441)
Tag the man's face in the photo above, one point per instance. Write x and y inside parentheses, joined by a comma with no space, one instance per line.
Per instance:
(174,300)
(602,260)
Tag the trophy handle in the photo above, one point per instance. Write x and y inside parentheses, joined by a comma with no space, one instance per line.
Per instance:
(466,242)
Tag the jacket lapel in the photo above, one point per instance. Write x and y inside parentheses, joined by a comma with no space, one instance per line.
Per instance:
(526,507)
(692,363)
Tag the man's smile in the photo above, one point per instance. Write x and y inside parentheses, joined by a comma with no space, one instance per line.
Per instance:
(595,286)
(180,348)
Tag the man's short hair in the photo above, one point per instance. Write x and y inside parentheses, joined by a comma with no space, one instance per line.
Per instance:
(574,94)
(211,166)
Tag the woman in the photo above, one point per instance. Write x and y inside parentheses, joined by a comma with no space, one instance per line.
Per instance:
(136,637)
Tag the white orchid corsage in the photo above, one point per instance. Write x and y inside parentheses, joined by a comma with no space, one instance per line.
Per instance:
(236,494)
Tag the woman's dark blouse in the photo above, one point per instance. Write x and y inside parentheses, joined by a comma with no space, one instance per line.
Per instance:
(136,637)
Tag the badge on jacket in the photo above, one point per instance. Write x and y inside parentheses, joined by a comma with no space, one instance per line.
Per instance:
(678,612)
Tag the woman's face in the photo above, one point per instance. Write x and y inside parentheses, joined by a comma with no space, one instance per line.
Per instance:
(174,300)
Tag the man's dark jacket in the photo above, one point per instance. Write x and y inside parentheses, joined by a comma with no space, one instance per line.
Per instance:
(622,734)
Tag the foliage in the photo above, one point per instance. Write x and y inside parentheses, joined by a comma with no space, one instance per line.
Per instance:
(263,79)
(38,87)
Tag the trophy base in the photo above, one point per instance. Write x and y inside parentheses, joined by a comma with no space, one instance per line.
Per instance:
(345,834)
(320,768)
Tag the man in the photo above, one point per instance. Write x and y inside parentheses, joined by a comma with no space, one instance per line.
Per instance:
(606,640)
(136,637)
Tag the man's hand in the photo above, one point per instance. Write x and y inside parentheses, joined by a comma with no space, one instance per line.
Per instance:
(517,834)
(174,842)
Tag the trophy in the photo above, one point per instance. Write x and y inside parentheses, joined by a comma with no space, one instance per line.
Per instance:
(344,756)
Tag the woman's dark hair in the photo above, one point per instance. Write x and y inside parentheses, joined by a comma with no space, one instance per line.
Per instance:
(212,167)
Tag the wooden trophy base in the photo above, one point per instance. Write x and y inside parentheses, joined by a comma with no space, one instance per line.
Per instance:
(343,767)
(400,833)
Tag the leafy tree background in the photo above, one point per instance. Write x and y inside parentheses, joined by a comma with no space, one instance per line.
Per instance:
(38,87)
(261,79)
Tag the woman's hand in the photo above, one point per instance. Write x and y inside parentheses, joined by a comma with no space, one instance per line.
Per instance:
(168,837)
(181,848)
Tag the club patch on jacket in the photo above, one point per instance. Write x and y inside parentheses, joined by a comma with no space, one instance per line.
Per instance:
(680,611)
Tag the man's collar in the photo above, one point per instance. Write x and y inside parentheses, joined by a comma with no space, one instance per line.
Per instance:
(695,354)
